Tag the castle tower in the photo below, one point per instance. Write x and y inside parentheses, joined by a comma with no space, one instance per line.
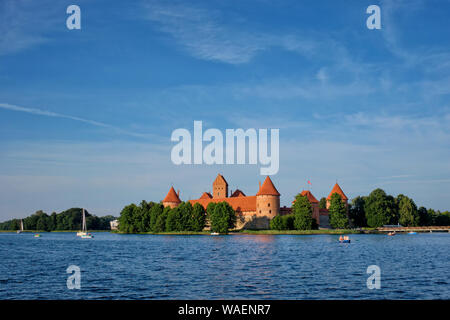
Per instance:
(337,189)
(268,200)
(314,204)
(172,199)
(220,187)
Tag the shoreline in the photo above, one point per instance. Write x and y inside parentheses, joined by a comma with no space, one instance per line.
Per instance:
(237,232)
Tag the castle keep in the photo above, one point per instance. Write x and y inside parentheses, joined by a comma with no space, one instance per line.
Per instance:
(254,212)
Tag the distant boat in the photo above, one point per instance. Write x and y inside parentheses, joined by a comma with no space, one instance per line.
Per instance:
(83,231)
(391,233)
(87,236)
(21,227)
(37,235)
(344,239)
(412,232)
(214,233)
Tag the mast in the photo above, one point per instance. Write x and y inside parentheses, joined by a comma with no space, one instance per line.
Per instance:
(21,224)
(83,227)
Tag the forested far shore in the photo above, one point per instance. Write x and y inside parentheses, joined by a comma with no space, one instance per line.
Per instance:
(68,220)
(379,208)
(375,210)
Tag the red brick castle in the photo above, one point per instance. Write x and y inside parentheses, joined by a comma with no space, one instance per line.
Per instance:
(254,212)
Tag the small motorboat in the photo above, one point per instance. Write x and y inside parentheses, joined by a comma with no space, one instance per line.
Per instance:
(412,232)
(86,236)
(391,233)
(37,235)
(214,233)
(344,239)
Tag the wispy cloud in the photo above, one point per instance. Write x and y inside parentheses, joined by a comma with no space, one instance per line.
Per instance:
(200,33)
(206,34)
(64,116)
(25,23)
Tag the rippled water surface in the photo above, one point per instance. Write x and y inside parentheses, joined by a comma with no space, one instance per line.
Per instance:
(117,266)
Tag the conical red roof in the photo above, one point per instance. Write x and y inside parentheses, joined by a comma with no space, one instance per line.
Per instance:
(172,196)
(310,196)
(268,188)
(337,189)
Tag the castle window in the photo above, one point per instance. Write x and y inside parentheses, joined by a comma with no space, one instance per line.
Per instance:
(270,211)
(268,204)
(259,211)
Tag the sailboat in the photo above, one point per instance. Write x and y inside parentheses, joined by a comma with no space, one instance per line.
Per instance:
(83,233)
(21,227)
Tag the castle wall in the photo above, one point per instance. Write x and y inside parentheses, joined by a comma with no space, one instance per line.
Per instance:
(250,220)
(315,212)
(170,204)
(267,205)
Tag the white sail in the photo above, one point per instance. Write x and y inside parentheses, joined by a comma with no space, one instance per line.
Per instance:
(21,227)
(83,228)
(83,231)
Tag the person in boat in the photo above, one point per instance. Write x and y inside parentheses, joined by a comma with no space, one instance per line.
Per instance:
(341,238)
(346,238)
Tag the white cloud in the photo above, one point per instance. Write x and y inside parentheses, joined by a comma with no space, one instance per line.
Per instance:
(64,116)
(25,23)
(205,34)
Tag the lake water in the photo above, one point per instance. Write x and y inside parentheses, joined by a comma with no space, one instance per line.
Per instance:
(115,266)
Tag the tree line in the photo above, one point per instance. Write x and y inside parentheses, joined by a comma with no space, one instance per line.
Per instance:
(375,210)
(154,217)
(68,220)
(378,209)
(301,217)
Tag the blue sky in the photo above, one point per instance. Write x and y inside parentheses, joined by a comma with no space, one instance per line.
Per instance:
(86,115)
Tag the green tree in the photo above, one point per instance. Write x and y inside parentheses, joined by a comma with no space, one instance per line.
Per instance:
(52,221)
(380,209)
(285,222)
(337,212)
(172,220)
(145,209)
(222,218)
(185,214)
(323,203)
(210,208)
(42,223)
(407,210)
(160,224)
(443,219)
(424,218)
(356,212)
(302,210)
(127,219)
(276,223)
(155,212)
(198,218)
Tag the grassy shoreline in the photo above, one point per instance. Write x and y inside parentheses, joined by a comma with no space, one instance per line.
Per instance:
(264,232)
(43,231)
(300,232)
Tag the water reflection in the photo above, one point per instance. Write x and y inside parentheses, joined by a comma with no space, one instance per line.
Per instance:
(232,267)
